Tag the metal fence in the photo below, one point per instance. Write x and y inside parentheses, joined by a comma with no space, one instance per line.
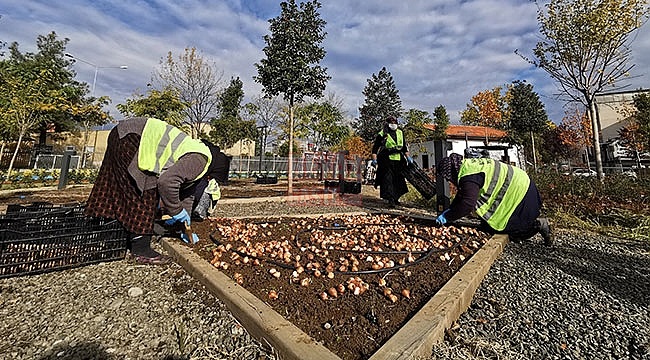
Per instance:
(51,161)
(313,167)
(303,168)
(22,161)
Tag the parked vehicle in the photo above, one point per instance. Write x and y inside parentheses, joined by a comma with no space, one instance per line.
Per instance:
(584,172)
(630,173)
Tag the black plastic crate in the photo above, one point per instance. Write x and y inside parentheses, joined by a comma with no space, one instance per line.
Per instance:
(266,179)
(40,209)
(36,206)
(57,240)
(347,187)
(420,180)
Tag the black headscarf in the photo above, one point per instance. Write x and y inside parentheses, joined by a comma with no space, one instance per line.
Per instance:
(220,164)
(449,167)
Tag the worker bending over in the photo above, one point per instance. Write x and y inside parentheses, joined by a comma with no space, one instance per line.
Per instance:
(502,195)
(148,163)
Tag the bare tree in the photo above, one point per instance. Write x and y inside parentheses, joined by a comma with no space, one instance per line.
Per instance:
(586,48)
(198,84)
(268,115)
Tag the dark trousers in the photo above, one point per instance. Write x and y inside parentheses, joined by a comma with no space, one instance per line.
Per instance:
(392,184)
(523,223)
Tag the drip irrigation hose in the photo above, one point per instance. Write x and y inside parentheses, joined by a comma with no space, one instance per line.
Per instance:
(396,252)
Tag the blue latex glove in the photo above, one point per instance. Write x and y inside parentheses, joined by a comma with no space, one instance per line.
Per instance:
(409,160)
(195,238)
(374,162)
(182,217)
(441,219)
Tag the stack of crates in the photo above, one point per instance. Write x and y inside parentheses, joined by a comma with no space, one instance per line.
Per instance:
(43,237)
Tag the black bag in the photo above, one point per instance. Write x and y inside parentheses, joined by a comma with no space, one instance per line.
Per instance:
(420,180)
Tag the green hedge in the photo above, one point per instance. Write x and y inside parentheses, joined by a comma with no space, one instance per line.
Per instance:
(40,177)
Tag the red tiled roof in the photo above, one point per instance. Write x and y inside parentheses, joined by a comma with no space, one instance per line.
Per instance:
(462,131)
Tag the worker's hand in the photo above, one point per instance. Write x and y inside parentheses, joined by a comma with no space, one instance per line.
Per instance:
(374,162)
(195,238)
(182,217)
(441,219)
(409,160)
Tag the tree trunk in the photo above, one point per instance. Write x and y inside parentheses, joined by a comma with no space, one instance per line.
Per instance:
(85,144)
(290,165)
(13,158)
(596,138)
(532,141)
(2,151)
(42,135)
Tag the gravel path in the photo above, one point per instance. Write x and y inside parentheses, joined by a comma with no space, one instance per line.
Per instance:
(118,310)
(586,298)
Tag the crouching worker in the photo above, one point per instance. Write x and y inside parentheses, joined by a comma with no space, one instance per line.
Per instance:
(148,161)
(502,195)
(208,190)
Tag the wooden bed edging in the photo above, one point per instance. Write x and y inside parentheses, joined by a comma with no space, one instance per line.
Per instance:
(415,339)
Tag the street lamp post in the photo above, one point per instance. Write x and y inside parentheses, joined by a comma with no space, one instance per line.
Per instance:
(262,131)
(97,67)
(123,67)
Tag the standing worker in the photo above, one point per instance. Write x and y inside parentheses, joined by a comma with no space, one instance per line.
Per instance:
(390,154)
(148,162)
(503,196)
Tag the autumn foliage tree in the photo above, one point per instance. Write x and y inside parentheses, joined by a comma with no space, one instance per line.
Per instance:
(356,146)
(574,133)
(487,108)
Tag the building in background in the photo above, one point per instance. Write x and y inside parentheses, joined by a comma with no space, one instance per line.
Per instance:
(612,111)
(461,137)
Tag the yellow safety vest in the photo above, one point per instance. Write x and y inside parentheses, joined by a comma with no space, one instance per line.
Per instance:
(161,145)
(504,188)
(394,144)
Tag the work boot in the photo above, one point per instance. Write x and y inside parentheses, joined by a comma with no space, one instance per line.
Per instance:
(142,252)
(545,231)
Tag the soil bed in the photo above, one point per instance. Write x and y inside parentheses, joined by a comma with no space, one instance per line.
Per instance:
(309,269)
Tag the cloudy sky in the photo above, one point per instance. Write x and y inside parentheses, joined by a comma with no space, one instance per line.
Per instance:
(440,52)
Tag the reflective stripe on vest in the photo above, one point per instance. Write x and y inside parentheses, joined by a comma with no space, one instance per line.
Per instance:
(504,188)
(390,143)
(161,145)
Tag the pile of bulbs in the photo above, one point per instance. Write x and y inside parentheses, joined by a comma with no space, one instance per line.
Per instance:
(346,245)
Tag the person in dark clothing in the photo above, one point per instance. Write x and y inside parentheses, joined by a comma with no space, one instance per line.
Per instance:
(390,154)
(148,165)
(208,190)
(502,195)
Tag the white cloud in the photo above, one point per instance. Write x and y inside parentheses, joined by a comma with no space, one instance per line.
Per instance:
(438,51)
